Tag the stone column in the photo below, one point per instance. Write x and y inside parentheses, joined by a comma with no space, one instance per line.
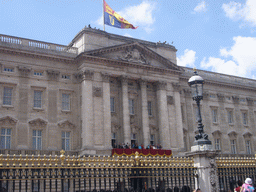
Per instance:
(106,110)
(206,170)
(144,112)
(126,115)
(87,110)
(163,115)
(179,123)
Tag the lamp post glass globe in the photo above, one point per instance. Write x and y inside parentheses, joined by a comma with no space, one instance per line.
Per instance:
(196,84)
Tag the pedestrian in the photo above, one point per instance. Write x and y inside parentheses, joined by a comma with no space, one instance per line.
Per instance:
(238,188)
(247,186)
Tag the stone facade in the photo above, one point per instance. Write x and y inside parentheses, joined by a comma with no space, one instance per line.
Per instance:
(103,88)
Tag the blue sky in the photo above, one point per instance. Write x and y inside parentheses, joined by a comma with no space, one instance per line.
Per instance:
(213,35)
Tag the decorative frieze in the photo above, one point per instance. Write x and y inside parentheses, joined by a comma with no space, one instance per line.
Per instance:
(134,128)
(97,91)
(247,135)
(115,127)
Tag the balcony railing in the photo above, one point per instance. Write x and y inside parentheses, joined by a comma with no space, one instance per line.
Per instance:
(22,42)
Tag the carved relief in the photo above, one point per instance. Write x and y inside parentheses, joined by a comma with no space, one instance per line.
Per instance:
(115,127)
(38,122)
(153,129)
(247,135)
(249,101)
(133,55)
(97,91)
(187,92)
(84,75)
(24,71)
(161,85)
(135,129)
(205,95)
(213,175)
(221,97)
(53,74)
(176,86)
(66,124)
(105,77)
(170,100)
(235,99)
(7,120)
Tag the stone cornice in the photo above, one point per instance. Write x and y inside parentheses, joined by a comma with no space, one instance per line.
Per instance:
(66,124)
(8,119)
(35,54)
(38,122)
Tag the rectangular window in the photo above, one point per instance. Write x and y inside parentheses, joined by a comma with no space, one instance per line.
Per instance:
(65,102)
(217,144)
(5,138)
(230,117)
(112,104)
(65,76)
(37,139)
(152,139)
(214,116)
(233,146)
(131,106)
(244,117)
(133,140)
(248,147)
(7,99)
(113,140)
(38,73)
(149,108)
(65,140)
(8,69)
(38,99)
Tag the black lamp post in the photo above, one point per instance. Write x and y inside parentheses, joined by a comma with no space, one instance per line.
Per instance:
(196,84)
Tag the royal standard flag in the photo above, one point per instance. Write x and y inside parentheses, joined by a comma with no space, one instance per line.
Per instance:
(114,19)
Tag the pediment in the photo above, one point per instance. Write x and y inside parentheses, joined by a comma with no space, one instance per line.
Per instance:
(38,122)
(8,120)
(66,124)
(134,53)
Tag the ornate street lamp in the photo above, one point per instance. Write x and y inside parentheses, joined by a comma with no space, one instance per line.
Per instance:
(196,84)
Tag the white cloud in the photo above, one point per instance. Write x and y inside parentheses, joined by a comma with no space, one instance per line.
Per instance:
(238,11)
(188,59)
(127,35)
(140,15)
(242,60)
(201,7)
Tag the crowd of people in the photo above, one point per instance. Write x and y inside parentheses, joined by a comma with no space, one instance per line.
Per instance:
(135,146)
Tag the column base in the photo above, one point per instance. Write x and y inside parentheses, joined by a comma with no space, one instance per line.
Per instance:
(202,145)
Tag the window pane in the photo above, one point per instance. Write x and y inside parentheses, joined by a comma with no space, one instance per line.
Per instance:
(63,144)
(65,102)
(8,142)
(2,142)
(34,142)
(7,99)
(39,145)
(38,99)
(67,144)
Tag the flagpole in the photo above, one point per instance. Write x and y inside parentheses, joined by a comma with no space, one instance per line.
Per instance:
(103,16)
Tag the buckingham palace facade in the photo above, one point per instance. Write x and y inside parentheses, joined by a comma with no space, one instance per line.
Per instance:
(104,88)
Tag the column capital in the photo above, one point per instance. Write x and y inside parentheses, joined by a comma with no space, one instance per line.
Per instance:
(85,75)
(142,82)
(105,77)
(176,87)
(124,79)
(187,93)
(235,99)
(221,97)
(161,85)
(249,101)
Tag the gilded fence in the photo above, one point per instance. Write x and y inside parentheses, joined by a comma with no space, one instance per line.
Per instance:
(232,169)
(97,173)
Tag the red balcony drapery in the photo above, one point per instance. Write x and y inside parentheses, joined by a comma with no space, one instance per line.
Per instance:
(144,152)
